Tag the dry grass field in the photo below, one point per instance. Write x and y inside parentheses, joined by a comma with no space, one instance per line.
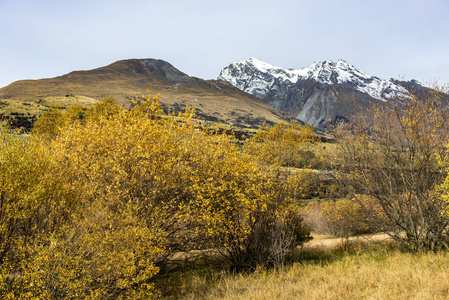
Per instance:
(363,272)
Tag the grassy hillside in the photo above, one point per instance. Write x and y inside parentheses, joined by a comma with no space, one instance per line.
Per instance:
(124,80)
(23,113)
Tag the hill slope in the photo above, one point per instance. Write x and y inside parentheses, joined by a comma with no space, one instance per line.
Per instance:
(215,100)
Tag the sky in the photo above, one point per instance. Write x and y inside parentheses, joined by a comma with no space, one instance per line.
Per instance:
(390,39)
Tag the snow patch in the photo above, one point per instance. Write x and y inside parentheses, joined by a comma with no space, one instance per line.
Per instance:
(257,77)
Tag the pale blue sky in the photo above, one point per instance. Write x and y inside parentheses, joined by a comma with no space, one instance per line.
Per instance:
(47,38)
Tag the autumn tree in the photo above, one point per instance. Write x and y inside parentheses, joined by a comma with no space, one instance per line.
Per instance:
(391,154)
(104,198)
(196,186)
(284,144)
(345,217)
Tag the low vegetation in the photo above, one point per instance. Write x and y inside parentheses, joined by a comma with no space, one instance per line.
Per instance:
(361,273)
(106,202)
(22,114)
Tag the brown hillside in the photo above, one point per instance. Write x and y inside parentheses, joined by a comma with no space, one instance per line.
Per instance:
(214,100)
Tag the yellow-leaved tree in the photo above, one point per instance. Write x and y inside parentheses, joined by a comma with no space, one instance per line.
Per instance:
(135,188)
(284,144)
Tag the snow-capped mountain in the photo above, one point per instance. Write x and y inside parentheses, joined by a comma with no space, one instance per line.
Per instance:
(256,77)
(314,94)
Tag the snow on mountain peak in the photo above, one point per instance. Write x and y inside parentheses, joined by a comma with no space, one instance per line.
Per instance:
(257,77)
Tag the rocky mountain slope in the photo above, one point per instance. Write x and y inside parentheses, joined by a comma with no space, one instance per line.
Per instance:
(318,94)
(215,100)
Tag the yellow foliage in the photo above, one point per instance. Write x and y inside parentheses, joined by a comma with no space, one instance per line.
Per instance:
(345,217)
(120,191)
(49,123)
(286,144)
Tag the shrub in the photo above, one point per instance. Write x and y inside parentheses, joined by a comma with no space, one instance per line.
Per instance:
(35,203)
(113,194)
(345,217)
(286,144)
(196,187)
(392,156)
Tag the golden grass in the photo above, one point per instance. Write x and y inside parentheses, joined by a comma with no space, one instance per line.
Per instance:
(37,106)
(374,274)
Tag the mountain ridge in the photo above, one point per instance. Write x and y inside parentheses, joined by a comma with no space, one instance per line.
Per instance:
(319,94)
(214,100)
(246,93)
(329,72)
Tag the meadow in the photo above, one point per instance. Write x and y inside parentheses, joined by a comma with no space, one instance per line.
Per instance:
(361,272)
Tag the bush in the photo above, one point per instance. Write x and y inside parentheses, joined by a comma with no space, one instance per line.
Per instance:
(35,203)
(392,155)
(131,189)
(345,217)
(285,144)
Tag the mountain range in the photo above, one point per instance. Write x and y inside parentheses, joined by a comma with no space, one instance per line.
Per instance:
(245,94)
(214,100)
(321,92)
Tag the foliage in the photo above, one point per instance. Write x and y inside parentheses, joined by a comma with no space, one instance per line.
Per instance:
(273,226)
(99,255)
(345,217)
(196,186)
(101,199)
(50,123)
(392,156)
(35,203)
(53,120)
(286,144)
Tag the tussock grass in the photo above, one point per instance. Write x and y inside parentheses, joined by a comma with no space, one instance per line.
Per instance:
(360,273)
